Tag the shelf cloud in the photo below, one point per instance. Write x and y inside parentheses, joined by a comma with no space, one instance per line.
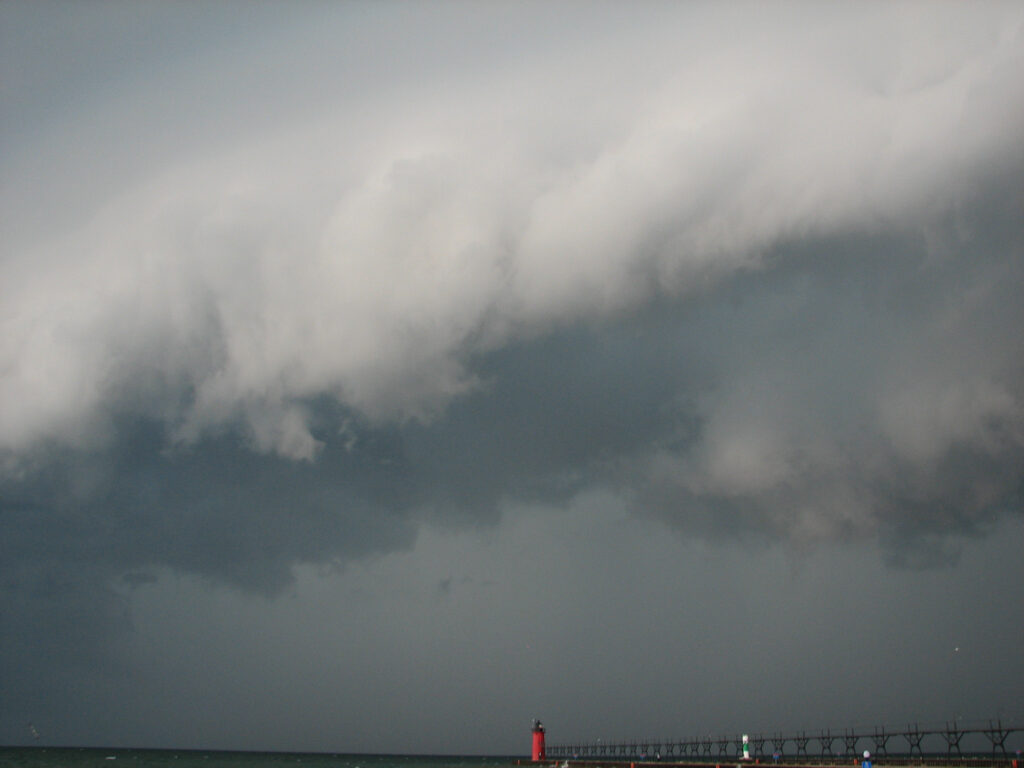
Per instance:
(312,282)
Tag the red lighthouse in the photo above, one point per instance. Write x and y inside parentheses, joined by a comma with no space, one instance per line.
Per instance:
(538,742)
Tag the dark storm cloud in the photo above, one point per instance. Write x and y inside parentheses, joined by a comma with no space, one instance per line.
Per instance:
(792,362)
(776,403)
(219,511)
(754,276)
(367,255)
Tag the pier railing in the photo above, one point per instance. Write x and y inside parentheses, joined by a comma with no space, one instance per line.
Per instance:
(906,746)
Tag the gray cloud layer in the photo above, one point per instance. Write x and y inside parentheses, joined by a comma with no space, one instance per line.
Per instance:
(751,272)
(367,257)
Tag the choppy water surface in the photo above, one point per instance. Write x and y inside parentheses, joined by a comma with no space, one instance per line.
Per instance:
(51,757)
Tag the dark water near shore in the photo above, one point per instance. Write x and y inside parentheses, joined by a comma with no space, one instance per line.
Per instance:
(71,757)
(86,757)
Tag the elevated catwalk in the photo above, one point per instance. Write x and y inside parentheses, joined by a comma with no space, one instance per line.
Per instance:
(950,744)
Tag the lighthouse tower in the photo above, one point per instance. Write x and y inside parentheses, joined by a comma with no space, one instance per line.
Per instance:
(538,753)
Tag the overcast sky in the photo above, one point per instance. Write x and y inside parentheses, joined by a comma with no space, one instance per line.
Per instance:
(379,376)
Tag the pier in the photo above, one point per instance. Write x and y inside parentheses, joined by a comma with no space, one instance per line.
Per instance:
(950,744)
